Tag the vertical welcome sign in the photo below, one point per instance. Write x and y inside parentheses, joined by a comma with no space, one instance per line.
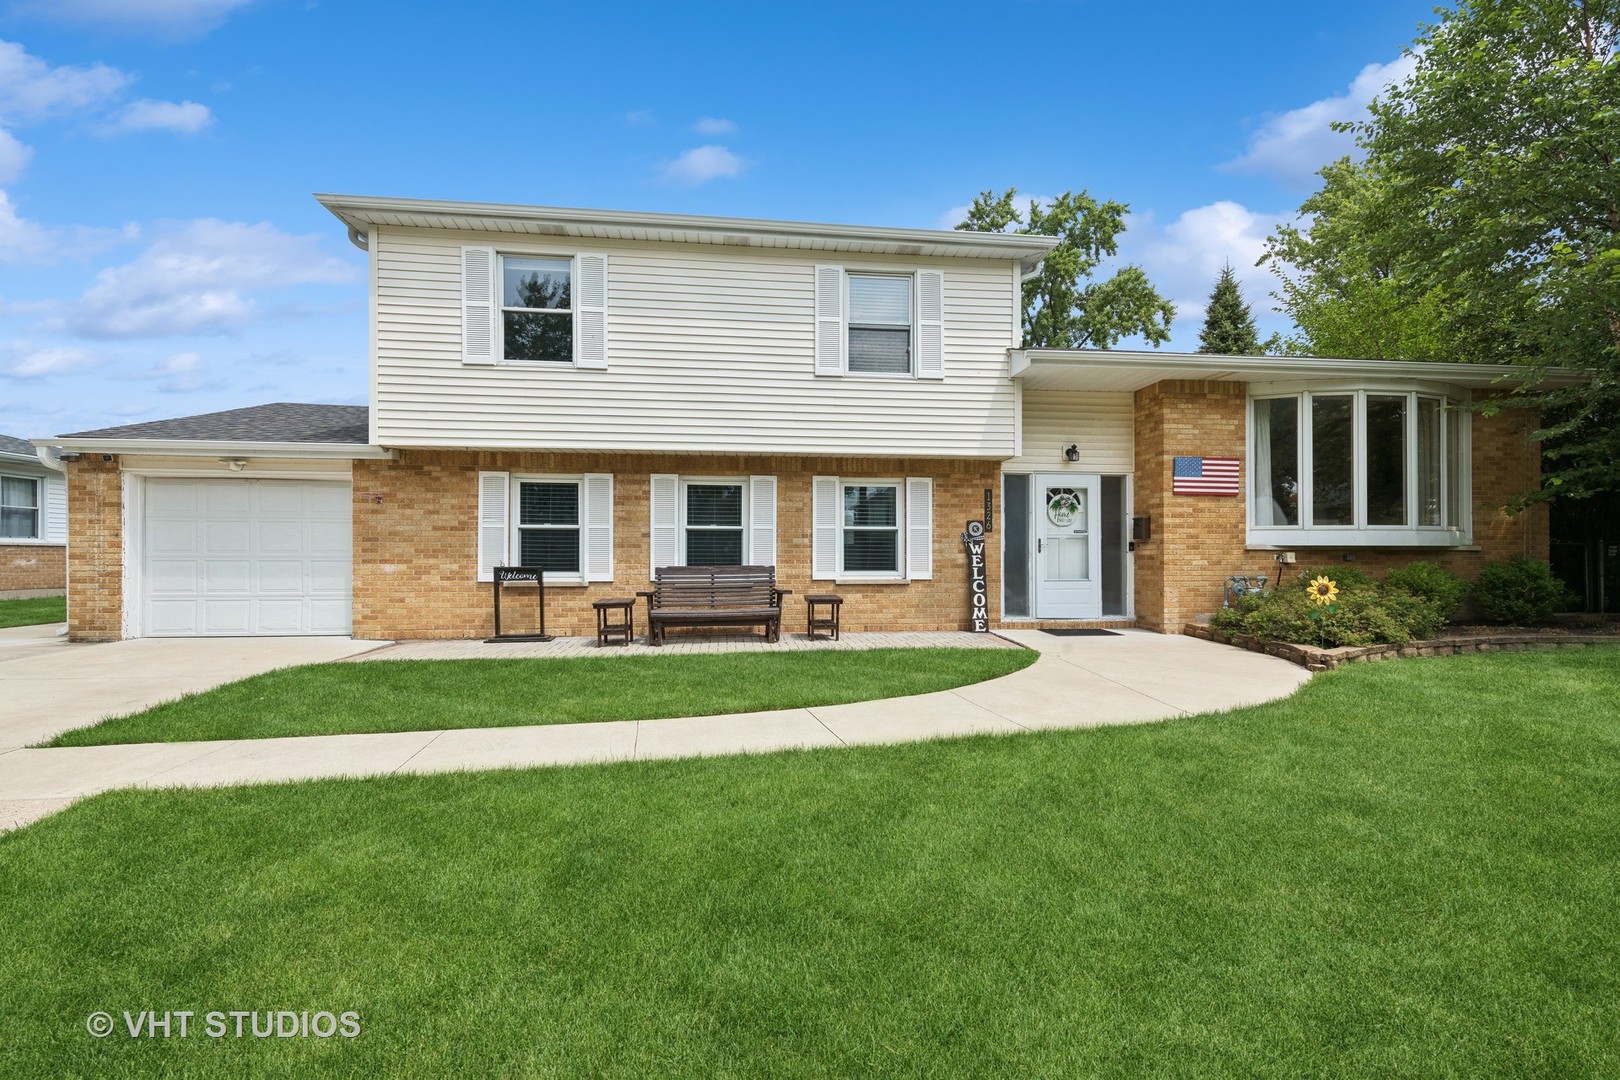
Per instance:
(978,595)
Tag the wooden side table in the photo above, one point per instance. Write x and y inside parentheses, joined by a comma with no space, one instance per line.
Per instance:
(615,620)
(828,620)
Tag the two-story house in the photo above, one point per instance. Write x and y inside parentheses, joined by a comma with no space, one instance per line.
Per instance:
(603,393)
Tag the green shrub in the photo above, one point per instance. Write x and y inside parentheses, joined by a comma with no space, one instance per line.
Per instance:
(1519,591)
(1346,577)
(1436,588)
(1365,613)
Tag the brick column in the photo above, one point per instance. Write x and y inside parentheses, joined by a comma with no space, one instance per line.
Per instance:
(95,565)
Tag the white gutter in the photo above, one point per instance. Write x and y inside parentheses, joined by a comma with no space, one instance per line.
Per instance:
(1248,368)
(229,448)
(50,458)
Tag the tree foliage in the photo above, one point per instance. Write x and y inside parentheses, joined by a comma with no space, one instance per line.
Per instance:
(1229,326)
(1484,223)
(1063,307)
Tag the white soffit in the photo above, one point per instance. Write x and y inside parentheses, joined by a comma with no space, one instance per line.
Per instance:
(361,212)
(1108,370)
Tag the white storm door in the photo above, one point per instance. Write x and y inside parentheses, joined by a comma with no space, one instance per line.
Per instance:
(1068,547)
(229,558)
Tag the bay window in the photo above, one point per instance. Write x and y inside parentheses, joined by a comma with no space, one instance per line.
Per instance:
(1358,467)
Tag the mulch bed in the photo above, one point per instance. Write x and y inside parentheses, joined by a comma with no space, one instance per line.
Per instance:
(1458,639)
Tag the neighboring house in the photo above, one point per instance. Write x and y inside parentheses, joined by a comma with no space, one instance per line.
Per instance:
(33,523)
(603,393)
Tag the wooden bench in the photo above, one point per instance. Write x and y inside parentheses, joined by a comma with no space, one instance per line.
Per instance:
(714,596)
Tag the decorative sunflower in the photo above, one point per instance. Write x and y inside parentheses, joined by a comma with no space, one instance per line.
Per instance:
(1323,590)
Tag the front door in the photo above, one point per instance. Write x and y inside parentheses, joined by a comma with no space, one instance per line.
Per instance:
(1068,547)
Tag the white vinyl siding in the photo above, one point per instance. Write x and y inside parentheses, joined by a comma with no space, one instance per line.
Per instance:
(56,510)
(1102,425)
(711,349)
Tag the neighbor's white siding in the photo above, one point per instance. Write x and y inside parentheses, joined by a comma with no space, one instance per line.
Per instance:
(708,350)
(1102,425)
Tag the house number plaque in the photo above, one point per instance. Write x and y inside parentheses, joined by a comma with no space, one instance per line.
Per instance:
(978,597)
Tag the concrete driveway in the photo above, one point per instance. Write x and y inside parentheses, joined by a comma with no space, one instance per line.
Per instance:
(49,684)
(1131,677)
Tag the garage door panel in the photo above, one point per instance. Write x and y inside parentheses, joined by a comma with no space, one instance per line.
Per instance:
(242,557)
(226,537)
(280,617)
(281,537)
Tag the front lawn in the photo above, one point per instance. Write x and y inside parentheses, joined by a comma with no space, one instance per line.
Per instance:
(422,695)
(33,612)
(1406,869)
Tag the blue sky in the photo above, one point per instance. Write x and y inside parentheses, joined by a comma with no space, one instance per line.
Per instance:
(160,254)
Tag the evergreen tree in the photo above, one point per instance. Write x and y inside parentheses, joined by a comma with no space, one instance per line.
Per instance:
(1228,323)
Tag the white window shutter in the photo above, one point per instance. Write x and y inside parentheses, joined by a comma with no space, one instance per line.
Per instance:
(930,324)
(493,493)
(597,534)
(590,310)
(762,520)
(830,337)
(53,516)
(666,523)
(919,528)
(824,520)
(480,344)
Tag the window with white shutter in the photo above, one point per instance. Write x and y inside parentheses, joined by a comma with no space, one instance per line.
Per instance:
(872,530)
(492,514)
(666,523)
(829,320)
(590,333)
(598,526)
(479,342)
(824,513)
(919,528)
(930,324)
(877,322)
(762,520)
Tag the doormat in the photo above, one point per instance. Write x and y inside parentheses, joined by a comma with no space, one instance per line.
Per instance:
(1082,633)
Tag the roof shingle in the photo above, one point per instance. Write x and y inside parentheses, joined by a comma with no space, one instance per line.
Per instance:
(282,421)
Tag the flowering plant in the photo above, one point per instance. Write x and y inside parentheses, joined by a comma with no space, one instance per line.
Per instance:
(1323,592)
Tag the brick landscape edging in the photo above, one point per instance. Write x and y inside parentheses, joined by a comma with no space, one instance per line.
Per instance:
(1316,659)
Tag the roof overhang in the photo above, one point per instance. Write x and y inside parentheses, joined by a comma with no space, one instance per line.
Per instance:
(1109,370)
(217,448)
(361,213)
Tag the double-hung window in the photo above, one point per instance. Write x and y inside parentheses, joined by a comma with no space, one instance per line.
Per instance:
(562,524)
(537,309)
(711,521)
(880,324)
(712,533)
(1358,466)
(872,530)
(19,508)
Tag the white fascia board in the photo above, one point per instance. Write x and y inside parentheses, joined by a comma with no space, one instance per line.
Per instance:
(361,212)
(220,448)
(1266,368)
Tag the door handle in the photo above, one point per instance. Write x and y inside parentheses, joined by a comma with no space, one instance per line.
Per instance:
(1040,545)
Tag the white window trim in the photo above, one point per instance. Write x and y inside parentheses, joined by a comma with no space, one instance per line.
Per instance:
(911,341)
(572,311)
(856,577)
(742,527)
(1359,533)
(39,511)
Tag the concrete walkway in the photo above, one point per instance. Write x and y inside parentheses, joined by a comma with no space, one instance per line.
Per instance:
(1133,677)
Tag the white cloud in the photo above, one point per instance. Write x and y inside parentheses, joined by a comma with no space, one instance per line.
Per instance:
(181,117)
(166,17)
(25,241)
(640,118)
(196,277)
(181,373)
(20,239)
(712,126)
(701,164)
(14,157)
(1294,145)
(27,362)
(31,89)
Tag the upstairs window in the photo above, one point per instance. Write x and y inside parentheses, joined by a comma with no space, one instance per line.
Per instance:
(537,313)
(879,324)
(19,508)
(1358,467)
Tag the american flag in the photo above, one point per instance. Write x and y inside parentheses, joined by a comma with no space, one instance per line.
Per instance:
(1205,476)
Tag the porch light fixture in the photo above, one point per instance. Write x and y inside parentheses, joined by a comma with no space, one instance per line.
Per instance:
(1071,453)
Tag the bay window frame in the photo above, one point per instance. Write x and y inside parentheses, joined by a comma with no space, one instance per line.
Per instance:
(1359,533)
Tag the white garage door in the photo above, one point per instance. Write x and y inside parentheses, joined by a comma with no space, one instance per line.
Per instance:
(233,558)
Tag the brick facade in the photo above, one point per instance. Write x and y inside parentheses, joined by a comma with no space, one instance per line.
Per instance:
(415,540)
(95,564)
(32,568)
(1198,541)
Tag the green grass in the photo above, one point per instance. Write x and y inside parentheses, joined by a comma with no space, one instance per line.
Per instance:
(422,695)
(42,609)
(1407,869)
